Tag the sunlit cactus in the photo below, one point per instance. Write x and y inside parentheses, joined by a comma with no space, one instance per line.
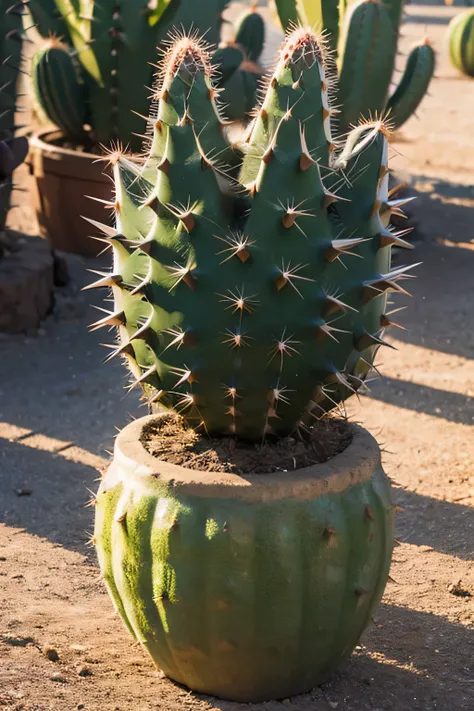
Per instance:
(252,313)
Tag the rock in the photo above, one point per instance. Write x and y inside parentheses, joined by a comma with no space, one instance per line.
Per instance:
(80,706)
(58,677)
(51,653)
(84,670)
(79,648)
(286,702)
(23,492)
(26,287)
(456,588)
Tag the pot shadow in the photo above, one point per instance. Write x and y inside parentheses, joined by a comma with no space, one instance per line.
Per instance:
(408,660)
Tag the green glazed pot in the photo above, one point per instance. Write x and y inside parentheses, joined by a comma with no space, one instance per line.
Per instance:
(248,588)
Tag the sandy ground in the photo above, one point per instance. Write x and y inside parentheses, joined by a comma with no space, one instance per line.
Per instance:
(59,406)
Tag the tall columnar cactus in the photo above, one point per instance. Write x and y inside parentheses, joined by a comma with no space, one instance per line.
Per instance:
(255,313)
(461,42)
(12,149)
(109,66)
(363,36)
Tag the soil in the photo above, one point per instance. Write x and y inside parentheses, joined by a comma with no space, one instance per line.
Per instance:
(59,405)
(171,440)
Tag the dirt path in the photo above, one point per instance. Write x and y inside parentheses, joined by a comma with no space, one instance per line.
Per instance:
(59,406)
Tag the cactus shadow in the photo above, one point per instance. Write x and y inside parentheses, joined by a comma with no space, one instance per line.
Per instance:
(440,316)
(450,406)
(444,526)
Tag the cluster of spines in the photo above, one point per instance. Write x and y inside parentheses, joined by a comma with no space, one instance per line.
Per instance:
(187,253)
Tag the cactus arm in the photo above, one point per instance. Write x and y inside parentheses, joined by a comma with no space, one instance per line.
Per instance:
(319,14)
(414,84)
(395,10)
(367,60)
(57,89)
(250,34)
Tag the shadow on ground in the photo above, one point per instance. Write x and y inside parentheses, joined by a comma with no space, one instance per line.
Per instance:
(436,317)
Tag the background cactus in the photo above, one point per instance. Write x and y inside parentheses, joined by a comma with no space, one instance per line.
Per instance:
(461,42)
(107,70)
(12,149)
(250,315)
(363,37)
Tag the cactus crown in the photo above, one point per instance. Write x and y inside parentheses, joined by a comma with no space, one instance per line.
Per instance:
(252,311)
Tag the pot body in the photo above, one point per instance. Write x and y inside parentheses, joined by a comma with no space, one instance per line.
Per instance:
(61,181)
(247,588)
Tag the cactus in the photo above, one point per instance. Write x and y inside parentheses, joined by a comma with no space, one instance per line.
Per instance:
(12,149)
(62,95)
(256,312)
(363,37)
(114,44)
(461,42)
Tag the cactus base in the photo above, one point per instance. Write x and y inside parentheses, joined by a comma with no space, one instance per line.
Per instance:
(248,588)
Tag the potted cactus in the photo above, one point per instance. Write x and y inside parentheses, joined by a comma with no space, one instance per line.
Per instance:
(246,564)
(93,79)
(363,37)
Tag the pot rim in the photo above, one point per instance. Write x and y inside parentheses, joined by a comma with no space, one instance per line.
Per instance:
(39,140)
(136,468)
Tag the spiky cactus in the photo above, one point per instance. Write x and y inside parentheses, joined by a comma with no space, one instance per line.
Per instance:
(12,149)
(461,42)
(252,314)
(109,65)
(363,37)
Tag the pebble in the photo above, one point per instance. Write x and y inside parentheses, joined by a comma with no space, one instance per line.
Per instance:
(80,706)
(79,647)
(51,653)
(57,676)
(84,670)
(286,702)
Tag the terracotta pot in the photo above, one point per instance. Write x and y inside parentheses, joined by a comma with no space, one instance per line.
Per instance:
(61,180)
(245,587)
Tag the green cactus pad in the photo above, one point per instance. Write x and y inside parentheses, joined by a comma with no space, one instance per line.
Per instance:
(252,314)
(416,78)
(250,588)
(461,42)
(58,89)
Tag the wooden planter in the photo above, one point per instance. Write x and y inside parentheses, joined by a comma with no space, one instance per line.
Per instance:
(61,180)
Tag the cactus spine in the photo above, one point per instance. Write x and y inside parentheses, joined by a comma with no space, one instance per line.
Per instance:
(254,317)
(363,36)
(461,42)
(12,149)
(115,43)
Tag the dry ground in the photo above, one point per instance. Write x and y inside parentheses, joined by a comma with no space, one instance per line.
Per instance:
(59,406)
